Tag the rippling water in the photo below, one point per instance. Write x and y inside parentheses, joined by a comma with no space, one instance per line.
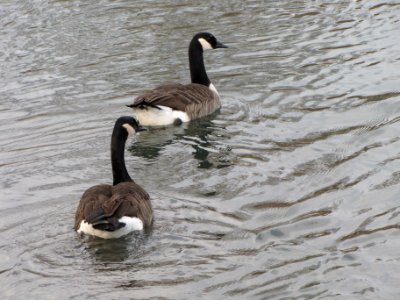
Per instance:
(291,191)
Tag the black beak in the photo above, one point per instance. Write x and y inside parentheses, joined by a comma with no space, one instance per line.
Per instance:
(220,45)
(130,105)
(140,128)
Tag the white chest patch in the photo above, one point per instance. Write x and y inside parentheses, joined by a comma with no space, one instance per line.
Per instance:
(159,117)
(212,87)
(131,224)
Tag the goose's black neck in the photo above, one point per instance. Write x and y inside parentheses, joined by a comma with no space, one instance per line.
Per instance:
(196,63)
(118,140)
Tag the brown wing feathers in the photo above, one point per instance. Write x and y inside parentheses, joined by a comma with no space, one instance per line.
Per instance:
(103,205)
(195,99)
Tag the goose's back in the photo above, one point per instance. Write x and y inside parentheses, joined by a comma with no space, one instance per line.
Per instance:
(194,99)
(107,203)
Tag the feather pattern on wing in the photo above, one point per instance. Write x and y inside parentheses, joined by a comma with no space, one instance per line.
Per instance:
(195,99)
(103,205)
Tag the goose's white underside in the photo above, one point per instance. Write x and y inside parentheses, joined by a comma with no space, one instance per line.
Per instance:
(131,224)
(159,117)
(165,116)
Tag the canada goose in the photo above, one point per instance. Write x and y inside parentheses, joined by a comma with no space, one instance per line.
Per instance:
(111,211)
(177,103)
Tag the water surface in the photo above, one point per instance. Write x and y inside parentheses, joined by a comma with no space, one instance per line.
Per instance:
(290,191)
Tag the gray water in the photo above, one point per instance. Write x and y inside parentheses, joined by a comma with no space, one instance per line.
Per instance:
(291,191)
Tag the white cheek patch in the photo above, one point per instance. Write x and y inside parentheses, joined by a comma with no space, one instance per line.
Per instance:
(206,45)
(129,128)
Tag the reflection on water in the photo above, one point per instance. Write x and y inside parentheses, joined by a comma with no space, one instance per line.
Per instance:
(116,251)
(290,191)
(150,143)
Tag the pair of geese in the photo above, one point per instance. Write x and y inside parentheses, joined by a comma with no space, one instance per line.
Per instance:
(112,211)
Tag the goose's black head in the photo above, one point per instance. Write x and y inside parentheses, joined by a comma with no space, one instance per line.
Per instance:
(130,124)
(208,41)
